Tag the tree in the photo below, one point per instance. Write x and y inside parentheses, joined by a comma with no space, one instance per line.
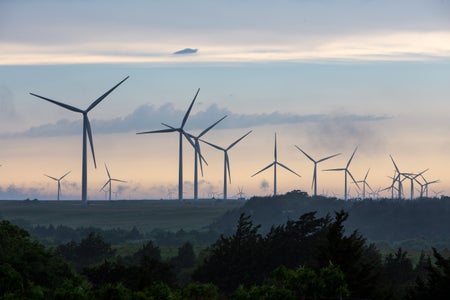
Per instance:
(436,284)
(91,250)
(234,260)
(27,269)
(361,263)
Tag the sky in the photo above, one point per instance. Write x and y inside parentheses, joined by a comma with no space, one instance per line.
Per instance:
(327,76)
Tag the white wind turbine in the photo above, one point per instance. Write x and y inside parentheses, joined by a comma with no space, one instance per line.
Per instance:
(87,133)
(398,178)
(413,177)
(364,182)
(346,172)
(198,155)
(226,161)
(109,182)
(182,133)
(59,182)
(314,181)
(274,164)
(426,184)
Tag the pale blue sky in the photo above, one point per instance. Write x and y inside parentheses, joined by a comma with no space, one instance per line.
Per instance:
(372,73)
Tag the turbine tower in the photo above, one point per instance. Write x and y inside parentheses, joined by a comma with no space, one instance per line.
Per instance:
(87,132)
(226,161)
(198,155)
(182,133)
(274,164)
(314,181)
(59,182)
(346,172)
(426,184)
(110,180)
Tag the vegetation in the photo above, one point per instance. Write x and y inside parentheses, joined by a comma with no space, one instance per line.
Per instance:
(313,256)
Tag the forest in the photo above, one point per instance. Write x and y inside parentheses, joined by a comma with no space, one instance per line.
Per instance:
(312,256)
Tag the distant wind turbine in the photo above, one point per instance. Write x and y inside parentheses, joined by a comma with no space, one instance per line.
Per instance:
(398,178)
(182,133)
(413,177)
(87,132)
(59,182)
(274,164)
(198,155)
(314,181)
(426,185)
(226,161)
(364,182)
(109,182)
(346,172)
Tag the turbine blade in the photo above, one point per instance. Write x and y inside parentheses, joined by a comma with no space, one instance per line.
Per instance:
(238,140)
(66,106)
(353,178)
(187,136)
(51,177)
(396,168)
(275,148)
(186,116)
(365,177)
(104,95)
(157,131)
(171,127)
(280,164)
(313,180)
(89,132)
(337,169)
(104,185)
(227,160)
(328,157)
(118,180)
(310,158)
(212,145)
(263,169)
(64,175)
(107,171)
(210,127)
(351,157)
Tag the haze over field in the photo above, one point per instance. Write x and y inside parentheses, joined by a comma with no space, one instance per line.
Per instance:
(325,75)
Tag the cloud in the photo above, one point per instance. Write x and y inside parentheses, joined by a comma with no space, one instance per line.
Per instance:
(296,30)
(186,51)
(149,117)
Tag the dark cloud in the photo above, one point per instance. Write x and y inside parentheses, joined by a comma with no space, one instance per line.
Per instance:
(149,117)
(186,51)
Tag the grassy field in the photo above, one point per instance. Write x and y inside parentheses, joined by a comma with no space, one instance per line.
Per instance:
(146,215)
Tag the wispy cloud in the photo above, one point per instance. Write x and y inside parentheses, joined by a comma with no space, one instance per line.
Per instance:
(149,117)
(287,31)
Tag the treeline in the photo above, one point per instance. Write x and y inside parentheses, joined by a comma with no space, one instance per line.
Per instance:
(309,257)
(56,235)
(417,224)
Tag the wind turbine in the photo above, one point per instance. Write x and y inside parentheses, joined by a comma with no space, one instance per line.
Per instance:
(397,178)
(198,155)
(241,194)
(413,177)
(87,132)
(274,164)
(426,184)
(346,172)
(226,161)
(59,182)
(314,181)
(109,182)
(182,133)
(364,182)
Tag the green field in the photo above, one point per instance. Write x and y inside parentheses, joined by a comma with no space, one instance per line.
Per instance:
(146,215)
